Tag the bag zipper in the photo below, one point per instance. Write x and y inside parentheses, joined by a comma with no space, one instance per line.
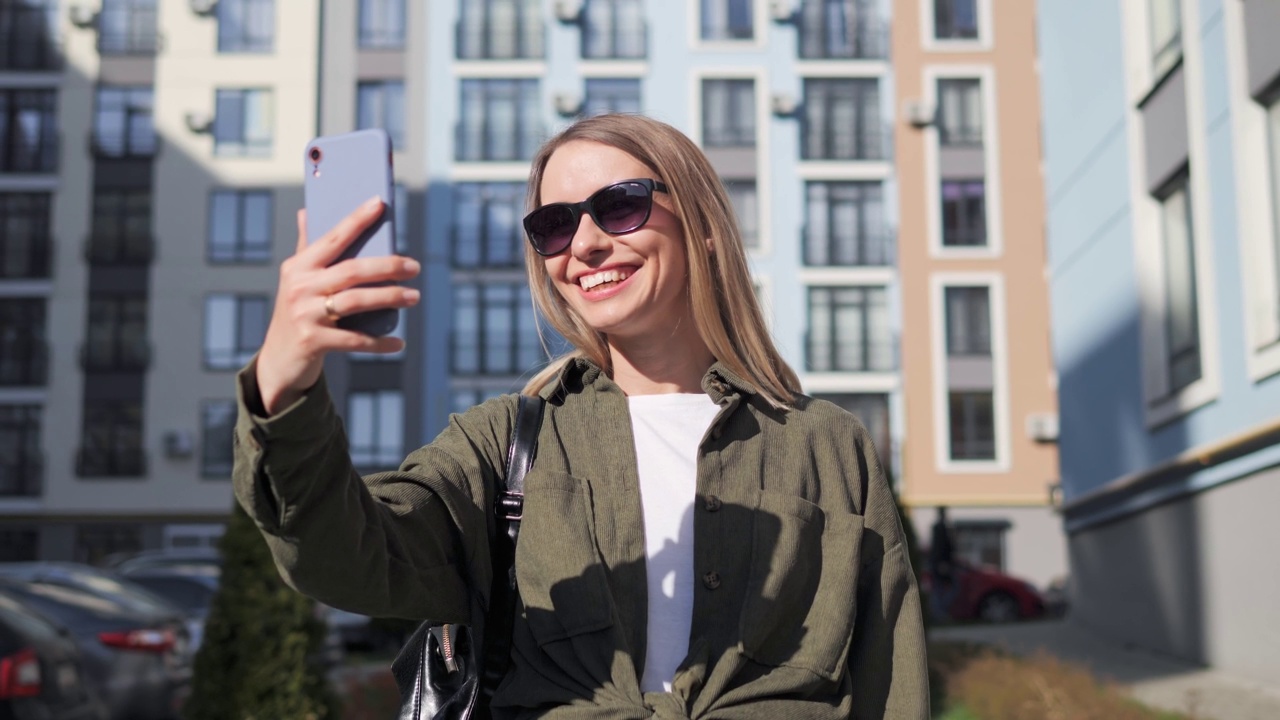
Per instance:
(444,637)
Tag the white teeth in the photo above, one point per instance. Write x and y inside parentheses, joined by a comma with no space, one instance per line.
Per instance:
(590,281)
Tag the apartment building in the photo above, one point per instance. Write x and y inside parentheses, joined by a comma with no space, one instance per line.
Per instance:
(978,376)
(1162,148)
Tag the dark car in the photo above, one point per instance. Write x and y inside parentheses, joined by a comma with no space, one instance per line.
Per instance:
(137,658)
(42,675)
(986,594)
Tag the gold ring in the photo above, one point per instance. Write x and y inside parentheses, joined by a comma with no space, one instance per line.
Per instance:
(330,313)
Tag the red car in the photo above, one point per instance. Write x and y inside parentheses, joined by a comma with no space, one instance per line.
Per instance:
(986,594)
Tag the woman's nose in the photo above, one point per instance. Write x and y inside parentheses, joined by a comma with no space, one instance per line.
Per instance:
(589,238)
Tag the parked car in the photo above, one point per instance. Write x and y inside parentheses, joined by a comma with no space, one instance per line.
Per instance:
(124,564)
(138,659)
(986,594)
(42,672)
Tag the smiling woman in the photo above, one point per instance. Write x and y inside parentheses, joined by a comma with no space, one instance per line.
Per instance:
(699,539)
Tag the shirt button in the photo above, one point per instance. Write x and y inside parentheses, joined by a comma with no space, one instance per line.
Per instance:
(713,503)
(711,580)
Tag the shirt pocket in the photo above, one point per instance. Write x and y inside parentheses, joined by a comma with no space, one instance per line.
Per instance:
(803,586)
(559,570)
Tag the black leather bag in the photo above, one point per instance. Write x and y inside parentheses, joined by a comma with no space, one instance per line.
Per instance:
(441,673)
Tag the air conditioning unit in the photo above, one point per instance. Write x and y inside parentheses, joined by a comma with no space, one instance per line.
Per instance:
(203,8)
(781,11)
(918,113)
(783,104)
(179,444)
(568,10)
(568,104)
(1043,427)
(200,123)
(83,16)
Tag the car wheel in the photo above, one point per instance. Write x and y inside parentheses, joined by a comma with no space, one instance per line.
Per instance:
(998,607)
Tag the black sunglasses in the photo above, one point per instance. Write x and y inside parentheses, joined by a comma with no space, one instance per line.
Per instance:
(617,209)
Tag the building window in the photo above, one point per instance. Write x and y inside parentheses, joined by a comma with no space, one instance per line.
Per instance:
(611,95)
(494,331)
(217,430)
(727,20)
(973,425)
(960,112)
(873,410)
(487,229)
(116,337)
(849,330)
(375,428)
(240,226)
(845,224)
(95,543)
(746,205)
(968,311)
(19,545)
(842,29)
(1182,315)
(29,35)
(964,213)
(1166,35)
(1273,128)
(381,24)
(28,131)
(842,120)
(24,348)
(244,123)
(234,326)
(122,126)
(24,224)
(462,399)
(21,464)
(613,29)
(111,442)
(728,113)
(121,232)
(499,120)
(500,30)
(246,26)
(955,19)
(980,542)
(127,27)
(401,218)
(380,104)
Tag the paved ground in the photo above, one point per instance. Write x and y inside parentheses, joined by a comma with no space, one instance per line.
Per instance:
(1156,680)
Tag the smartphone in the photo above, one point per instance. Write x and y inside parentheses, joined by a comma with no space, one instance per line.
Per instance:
(342,172)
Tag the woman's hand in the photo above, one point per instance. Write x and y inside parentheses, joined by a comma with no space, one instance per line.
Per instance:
(312,295)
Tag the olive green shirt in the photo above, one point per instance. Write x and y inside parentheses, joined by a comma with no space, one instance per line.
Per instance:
(805,605)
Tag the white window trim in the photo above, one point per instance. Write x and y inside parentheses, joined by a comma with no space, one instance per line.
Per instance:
(984,41)
(764,165)
(938,282)
(1254,208)
(855,276)
(842,68)
(500,69)
(760,21)
(985,74)
(836,170)
(613,69)
(845,382)
(1148,238)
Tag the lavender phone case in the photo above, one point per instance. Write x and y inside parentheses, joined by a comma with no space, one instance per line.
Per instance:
(352,168)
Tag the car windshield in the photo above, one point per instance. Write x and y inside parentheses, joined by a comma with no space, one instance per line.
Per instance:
(127,593)
(69,606)
(28,624)
(187,593)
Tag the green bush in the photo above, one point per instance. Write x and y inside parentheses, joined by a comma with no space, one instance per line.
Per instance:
(260,658)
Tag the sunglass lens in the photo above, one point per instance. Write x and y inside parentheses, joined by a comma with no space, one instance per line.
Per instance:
(551,228)
(622,207)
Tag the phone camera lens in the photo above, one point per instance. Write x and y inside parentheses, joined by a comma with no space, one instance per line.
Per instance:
(315,154)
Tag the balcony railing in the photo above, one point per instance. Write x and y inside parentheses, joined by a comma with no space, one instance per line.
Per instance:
(473,250)
(120,250)
(27,43)
(498,359)
(111,462)
(27,259)
(845,143)
(117,356)
(135,144)
(24,363)
(20,153)
(21,477)
(486,141)
(868,249)
(614,40)
(508,39)
(869,355)
(865,38)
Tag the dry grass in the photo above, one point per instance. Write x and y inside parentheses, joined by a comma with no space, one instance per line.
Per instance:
(984,684)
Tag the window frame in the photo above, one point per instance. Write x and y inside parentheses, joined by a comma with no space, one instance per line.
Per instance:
(873,359)
(518,309)
(872,246)
(117,332)
(930,41)
(490,197)
(251,40)
(241,251)
(865,33)
(740,101)
(24,353)
(870,132)
(596,26)
(121,424)
(970,96)
(238,355)
(370,13)
(15,156)
(700,31)
(26,224)
(140,33)
(608,93)
(209,469)
(242,145)
(528,35)
(22,423)
(27,49)
(523,97)
(136,105)
(381,455)
(383,114)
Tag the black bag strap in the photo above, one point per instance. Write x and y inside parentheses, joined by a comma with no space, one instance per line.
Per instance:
(508,510)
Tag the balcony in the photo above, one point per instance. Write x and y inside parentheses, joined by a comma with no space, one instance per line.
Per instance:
(516,38)
(24,362)
(845,144)
(614,40)
(21,477)
(135,144)
(128,31)
(821,38)
(867,355)
(868,249)
(486,141)
(115,356)
(29,258)
(21,51)
(20,153)
(106,250)
(111,462)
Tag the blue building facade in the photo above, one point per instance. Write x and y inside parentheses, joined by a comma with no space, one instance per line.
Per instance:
(1162,166)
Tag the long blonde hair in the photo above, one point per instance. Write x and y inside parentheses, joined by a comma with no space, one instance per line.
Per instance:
(720,287)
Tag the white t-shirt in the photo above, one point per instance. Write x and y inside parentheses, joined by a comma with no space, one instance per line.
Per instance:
(668,429)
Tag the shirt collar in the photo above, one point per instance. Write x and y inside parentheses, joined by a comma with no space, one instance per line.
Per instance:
(718,382)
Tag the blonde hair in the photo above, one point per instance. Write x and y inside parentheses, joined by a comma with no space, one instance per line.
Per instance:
(719,282)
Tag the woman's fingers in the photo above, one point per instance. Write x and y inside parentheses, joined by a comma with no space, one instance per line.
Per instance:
(302,231)
(352,341)
(331,245)
(363,271)
(358,300)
